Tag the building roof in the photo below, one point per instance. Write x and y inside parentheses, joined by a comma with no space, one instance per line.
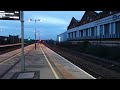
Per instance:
(73,23)
(90,16)
(107,13)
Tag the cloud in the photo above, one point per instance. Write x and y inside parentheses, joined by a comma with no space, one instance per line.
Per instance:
(52,20)
(9,24)
(3,27)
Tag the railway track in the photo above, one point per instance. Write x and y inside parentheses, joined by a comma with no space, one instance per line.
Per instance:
(10,47)
(11,57)
(99,68)
(6,50)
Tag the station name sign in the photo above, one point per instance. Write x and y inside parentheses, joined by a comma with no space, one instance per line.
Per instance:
(9,15)
(115,17)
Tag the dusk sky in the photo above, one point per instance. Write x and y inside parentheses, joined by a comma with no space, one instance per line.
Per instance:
(52,23)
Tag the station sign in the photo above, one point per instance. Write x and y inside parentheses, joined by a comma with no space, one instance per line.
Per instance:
(9,15)
(115,17)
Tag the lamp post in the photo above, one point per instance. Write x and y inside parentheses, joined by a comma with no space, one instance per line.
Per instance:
(35,29)
(22,42)
(38,36)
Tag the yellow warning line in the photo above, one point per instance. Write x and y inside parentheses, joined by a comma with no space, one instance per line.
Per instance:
(55,74)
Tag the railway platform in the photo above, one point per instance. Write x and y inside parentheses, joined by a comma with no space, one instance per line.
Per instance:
(44,61)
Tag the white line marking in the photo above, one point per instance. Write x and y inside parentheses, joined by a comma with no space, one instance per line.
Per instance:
(73,64)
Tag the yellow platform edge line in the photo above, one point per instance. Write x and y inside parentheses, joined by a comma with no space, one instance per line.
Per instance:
(55,74)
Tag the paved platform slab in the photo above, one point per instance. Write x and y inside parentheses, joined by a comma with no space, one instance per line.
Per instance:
(68,70)
(34,61)
(9,59)
(48,64)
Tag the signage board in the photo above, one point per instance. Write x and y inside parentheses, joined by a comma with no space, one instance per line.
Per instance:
(9,15)
(115,17)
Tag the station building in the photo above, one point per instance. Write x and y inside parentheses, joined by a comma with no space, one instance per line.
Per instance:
(93,26)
